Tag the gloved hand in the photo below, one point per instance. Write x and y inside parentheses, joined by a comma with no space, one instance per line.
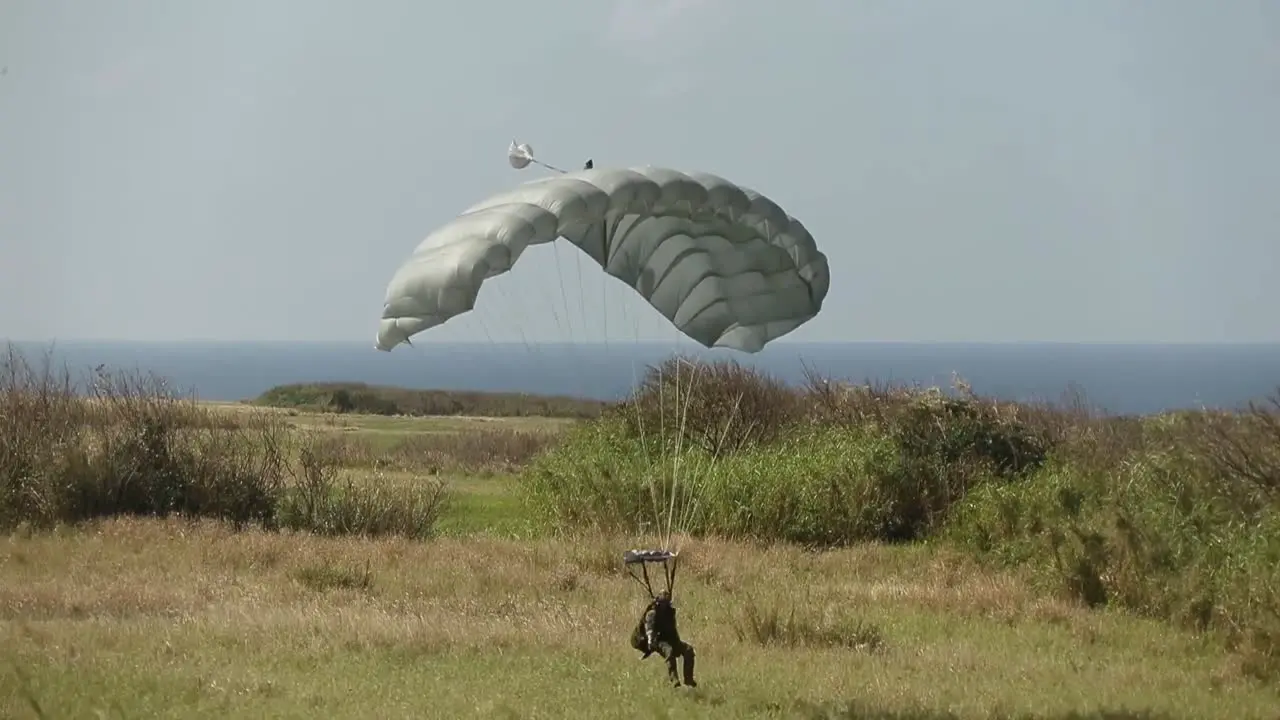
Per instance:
(650,645)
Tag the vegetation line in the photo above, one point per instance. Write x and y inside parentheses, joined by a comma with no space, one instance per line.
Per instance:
(360,398)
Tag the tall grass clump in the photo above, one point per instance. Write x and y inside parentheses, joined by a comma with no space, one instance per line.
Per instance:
(127,444)
(325,501)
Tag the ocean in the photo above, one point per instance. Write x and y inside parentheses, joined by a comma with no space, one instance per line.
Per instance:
(1118,379)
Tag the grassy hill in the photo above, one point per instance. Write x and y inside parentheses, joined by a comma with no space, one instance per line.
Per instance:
(360,398)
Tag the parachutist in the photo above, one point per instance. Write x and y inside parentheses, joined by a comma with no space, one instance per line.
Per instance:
(657,632)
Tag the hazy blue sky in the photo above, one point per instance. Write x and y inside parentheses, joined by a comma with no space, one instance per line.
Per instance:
(982,170)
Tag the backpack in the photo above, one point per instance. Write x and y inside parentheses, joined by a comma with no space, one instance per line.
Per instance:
(639,640)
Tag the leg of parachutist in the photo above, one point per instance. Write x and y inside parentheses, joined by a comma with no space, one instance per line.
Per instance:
(670,654)
(688,666)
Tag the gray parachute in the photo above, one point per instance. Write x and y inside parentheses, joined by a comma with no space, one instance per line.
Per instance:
(726,265)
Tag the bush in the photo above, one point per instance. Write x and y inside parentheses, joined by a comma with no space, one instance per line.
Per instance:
(717,407)
(322,503)
(738,453)
(1183,526)
(128,445)
(595,477)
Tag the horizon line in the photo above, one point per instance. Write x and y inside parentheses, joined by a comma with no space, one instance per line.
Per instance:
(685,343)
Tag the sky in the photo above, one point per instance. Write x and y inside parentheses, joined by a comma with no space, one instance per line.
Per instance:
(993,170)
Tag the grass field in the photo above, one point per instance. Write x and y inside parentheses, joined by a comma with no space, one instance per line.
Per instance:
(134,617)
(342,550)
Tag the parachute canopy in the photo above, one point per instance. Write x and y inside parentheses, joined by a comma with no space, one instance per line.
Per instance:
(724,264)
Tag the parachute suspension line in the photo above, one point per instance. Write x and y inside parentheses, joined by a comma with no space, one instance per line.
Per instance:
(691,510)
(577,253)
(564,300)
(676,461)
(533,349)
(506,359)
(520,309)
(520,156)
(683,501)
(582,302)
(662,483)
(604,295)
(523,320)
(656,483)
(669,488)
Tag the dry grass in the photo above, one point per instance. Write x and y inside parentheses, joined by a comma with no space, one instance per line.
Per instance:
(140,617)
(424,444)
(482,451)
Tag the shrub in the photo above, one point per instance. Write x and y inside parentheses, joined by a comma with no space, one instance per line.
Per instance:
(822,486)
(742,454)
(717,407)
(128,445)
(595,477)
(323,502)
(1182,526)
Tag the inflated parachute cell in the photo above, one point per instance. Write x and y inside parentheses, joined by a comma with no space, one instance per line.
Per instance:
(723,263)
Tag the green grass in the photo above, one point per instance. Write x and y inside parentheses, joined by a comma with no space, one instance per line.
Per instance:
(484,505)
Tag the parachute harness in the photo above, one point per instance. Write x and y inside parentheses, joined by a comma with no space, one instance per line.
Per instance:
(637,564)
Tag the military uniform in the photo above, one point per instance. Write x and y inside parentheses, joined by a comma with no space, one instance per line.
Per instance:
(656,632)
